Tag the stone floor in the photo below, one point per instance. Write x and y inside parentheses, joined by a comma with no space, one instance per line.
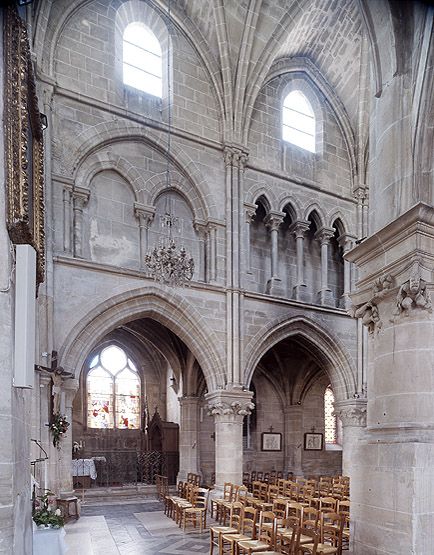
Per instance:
(130,528)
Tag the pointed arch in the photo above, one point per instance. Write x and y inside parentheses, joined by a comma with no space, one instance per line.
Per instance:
(316,214)
(295,207)
(331,354)
(162,305)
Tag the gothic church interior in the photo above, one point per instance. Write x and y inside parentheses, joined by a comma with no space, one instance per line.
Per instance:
(218,249)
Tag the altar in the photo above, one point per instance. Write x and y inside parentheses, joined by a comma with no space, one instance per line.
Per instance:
(83,471)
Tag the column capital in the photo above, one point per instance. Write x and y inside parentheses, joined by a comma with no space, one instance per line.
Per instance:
(299,228)
(250,211)
(188,400)
(229,405)
(235,156)
(144,213)
(274,219)
(324,235)
(346,241)
(80,196)
(201,227)
(352,412)
(361,194)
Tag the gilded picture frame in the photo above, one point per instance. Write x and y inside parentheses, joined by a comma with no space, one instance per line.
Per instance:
(23,142)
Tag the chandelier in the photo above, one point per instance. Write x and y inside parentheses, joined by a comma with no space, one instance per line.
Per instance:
(166,262)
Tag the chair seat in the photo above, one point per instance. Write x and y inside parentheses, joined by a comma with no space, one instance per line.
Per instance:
(190,510)
(223,530)
(235,537)
(323,548)
(252,544)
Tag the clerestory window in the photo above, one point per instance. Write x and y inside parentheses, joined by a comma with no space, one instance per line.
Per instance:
(113,391)
(142,60)
(298,121)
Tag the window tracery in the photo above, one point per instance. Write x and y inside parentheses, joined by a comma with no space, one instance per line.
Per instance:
(113,391)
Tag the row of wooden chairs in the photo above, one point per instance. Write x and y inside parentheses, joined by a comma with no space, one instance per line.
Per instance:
(189,505)
(251,531)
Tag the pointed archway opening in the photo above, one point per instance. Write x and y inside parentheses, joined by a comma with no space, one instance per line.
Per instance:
(291,381)
(126,413)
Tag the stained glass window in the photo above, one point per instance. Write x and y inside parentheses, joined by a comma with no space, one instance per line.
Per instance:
(330,420)
(113,391)
(298,121)
(142,59)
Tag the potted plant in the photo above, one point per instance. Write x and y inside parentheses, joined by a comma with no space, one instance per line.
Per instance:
(45,514)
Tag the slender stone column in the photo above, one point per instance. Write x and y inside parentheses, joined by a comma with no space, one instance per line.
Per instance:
(272,221)
(67,217)
(293,425)
(145,215)
(346,242)
(299,228)
(235,161)
(80,198)
(202,232)
(229,409)
(395,456)
(188,437)
(64,477)
(250,212)
(325,296)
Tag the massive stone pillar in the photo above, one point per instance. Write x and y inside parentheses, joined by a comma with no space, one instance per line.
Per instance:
(64,477)
(229,409)
(188,437)
(293,442)
(392,492)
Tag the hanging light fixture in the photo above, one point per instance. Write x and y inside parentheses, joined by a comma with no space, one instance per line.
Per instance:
(166,262)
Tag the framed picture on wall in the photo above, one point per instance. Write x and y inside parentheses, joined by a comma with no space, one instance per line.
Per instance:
(271,441)
(313,442)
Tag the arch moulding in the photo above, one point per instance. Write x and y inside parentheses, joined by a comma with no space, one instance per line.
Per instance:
(161,305)
(336,360)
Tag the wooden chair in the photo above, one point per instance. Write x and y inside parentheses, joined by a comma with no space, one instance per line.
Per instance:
(266,536)
(227,496)
(228,542)
(286,534)
(328,504)
(239,493)
(197,513)
(306,541)
(235,517)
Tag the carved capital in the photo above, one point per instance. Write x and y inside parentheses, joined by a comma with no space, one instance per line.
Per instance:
(413,293)
(361,194)
(273,220)
(144,213)
(230,405)
(346,241)
(81,197)
(369,311)
(235,156)
(250,212)
(299,228)
(201,228)
(324,235)
(352,413)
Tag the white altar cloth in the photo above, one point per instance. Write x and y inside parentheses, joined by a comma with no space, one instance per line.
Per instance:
(83,467)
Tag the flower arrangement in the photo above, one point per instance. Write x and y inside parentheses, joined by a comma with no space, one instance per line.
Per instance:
(45,515)
(58,427)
